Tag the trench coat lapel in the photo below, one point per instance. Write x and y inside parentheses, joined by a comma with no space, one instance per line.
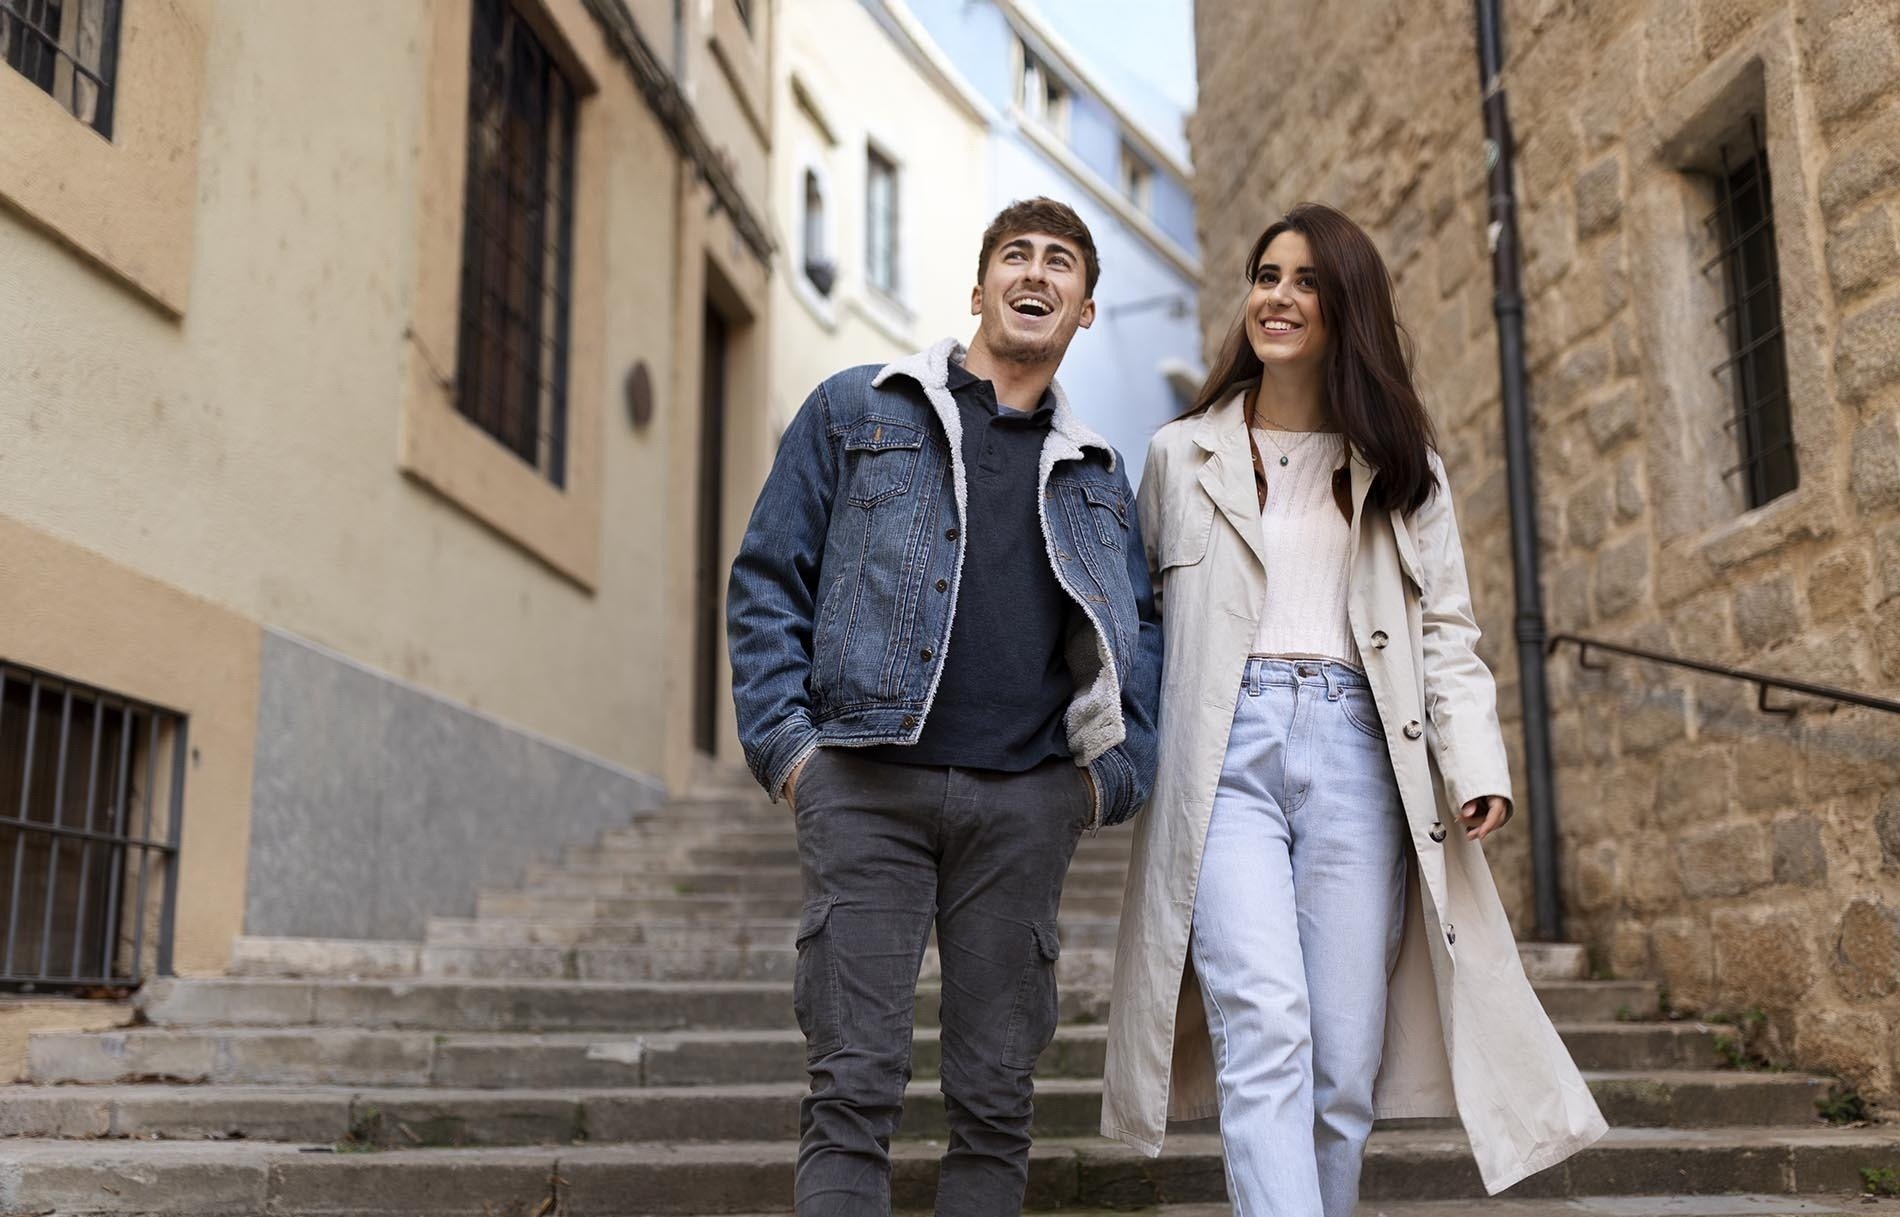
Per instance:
(1227,473)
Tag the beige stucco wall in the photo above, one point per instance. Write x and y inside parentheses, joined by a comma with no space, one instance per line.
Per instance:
(248,453)
(869,93)
(244,456)
(1744,860)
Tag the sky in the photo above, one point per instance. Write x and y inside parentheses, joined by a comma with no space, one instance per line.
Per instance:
(1142,49)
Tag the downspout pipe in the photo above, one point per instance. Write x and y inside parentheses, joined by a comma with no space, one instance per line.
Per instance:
(1508,306)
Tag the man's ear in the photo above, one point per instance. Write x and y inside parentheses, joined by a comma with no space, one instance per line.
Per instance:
(976,301)
(1088,314)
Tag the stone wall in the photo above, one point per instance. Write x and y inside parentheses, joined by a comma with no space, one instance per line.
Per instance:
(1747,860)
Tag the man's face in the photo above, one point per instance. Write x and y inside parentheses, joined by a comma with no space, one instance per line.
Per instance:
(1033,297)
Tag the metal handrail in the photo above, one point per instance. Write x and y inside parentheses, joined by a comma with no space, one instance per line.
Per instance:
(1761,680)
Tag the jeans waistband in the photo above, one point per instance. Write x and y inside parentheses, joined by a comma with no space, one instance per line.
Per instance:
(1329,674)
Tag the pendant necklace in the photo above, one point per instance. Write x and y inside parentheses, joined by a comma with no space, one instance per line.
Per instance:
(1285,453)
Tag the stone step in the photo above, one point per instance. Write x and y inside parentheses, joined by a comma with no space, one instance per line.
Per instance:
(1744,1205)
(707,907)
(511,1005)
(712,847)
(404,1117)
(746,1177)
(641,962)
(1093,877)
(582,1005)
(1077,933)
(1554,960)
(392,1057)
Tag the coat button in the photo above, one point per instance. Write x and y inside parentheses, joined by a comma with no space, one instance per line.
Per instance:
(1437,833)
(1451,935)
(950,534)
(910,720)
(1378,640)
(926,653)
(1413,730)
(943,585)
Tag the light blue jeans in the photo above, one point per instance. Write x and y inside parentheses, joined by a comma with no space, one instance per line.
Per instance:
(1297,918)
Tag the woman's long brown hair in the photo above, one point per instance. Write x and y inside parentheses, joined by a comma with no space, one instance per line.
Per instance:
(1368,375)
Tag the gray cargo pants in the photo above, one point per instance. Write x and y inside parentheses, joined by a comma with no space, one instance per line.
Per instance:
(886,851)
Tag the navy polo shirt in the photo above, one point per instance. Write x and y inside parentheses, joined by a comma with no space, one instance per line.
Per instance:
(1005,683)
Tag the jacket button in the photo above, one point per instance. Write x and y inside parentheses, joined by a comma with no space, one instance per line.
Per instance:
(1437,833)
(910,720)
(1451,935)
(950,534)
(926,653)
(1378,640)
(943,585)
(1413,730)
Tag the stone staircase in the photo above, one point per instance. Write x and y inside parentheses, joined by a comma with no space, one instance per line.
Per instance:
(615,1037)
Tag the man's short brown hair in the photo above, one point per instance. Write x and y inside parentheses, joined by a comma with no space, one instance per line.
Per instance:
(1043,215)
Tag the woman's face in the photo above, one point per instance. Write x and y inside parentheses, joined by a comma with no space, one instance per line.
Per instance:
(1284,323)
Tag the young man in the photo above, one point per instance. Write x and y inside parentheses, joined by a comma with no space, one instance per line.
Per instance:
(945,656)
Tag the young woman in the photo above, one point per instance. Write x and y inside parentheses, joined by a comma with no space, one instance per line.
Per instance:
(1308,942)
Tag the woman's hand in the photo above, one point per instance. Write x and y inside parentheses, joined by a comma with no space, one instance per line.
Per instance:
(1484,815)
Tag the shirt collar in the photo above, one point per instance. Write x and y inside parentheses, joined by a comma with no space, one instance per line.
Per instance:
(961,378)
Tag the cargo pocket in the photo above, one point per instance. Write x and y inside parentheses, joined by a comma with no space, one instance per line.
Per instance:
(815,982)
(1033,1022)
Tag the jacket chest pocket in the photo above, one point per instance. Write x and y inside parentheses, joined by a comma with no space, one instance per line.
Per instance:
(880,459)
(1107,510)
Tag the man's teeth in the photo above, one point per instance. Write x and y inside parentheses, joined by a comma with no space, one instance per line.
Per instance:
(1035,308)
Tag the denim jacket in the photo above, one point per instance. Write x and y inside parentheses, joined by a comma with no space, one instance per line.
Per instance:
(848,576)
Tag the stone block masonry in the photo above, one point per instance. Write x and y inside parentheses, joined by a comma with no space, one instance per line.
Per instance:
(1744,860)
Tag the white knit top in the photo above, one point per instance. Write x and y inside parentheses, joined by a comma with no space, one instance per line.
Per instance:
(1308,545)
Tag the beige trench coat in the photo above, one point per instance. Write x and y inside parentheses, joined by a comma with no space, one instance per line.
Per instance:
(1465,1033)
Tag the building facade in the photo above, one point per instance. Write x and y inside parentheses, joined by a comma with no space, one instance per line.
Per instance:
(879,182)
(1709,208)
(375,441)
(1054,126)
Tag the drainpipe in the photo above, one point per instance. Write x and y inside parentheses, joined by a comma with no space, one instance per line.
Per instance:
(1508,305)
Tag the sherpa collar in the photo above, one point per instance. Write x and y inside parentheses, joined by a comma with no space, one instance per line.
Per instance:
(930,368)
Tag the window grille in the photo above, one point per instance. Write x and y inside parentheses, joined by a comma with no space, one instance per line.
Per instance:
(880,210)
(92,789)
(1757,370)
(517,247)
(69,49)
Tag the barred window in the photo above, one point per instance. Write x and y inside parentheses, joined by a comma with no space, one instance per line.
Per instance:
(70,49)
(1745,223)
(511,362)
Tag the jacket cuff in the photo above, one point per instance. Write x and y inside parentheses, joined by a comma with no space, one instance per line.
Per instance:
(1115,791)
(774,760)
